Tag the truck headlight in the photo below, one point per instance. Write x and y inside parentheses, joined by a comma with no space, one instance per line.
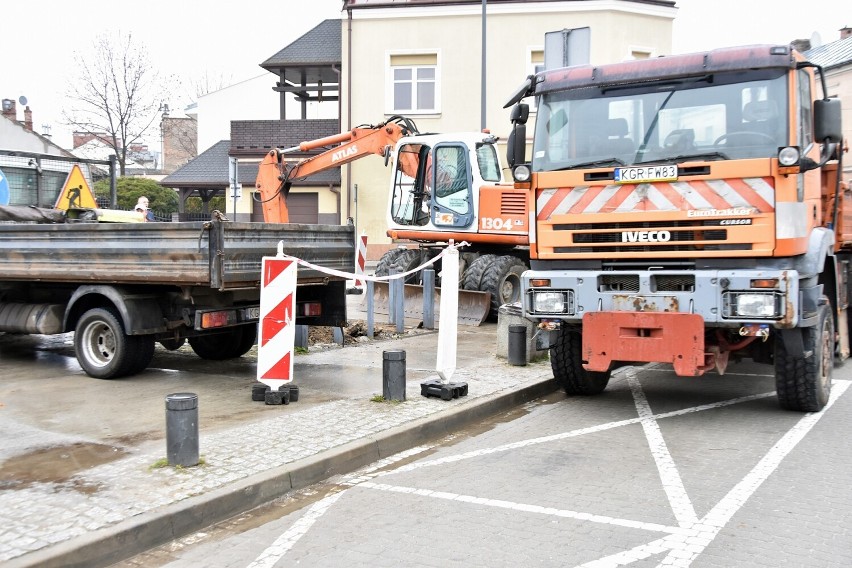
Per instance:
(552,302)
(757,305)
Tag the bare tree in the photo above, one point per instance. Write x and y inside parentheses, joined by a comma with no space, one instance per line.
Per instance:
(117,94)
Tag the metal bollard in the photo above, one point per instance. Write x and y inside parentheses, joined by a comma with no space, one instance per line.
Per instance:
(518,345)
(182,429)
(429,298)
(393,374)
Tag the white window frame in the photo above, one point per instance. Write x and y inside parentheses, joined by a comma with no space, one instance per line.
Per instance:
(533,67)
(631,49)
(390,80)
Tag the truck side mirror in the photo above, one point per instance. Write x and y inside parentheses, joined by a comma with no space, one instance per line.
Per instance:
(516,145)
(827,120)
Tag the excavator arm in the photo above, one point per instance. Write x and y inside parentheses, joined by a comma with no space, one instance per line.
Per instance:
(275,174)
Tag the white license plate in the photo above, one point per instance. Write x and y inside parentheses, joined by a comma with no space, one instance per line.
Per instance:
(251,313)
(645,174)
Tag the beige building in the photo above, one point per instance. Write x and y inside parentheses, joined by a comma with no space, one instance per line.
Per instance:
(836,59)
(422,59)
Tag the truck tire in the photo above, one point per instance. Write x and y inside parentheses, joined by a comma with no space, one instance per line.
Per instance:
(473,275)
(566,360)
(804,383)
(104,350)
(405,259)
(503,279)
(230,344)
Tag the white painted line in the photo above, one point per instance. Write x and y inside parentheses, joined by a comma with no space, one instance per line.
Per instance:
(286,541)
(523,507)
(684,551)
(571,434)
(680,503)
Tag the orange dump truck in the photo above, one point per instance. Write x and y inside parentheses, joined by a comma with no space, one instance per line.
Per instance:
(686,210)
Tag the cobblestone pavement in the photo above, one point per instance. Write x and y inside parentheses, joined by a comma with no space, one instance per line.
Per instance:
(40,517)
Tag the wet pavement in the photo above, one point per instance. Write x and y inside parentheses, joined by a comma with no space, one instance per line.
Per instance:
(82,461)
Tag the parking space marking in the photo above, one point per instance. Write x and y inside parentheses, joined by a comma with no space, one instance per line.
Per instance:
(680,503)
(572,434)
(286,541)
(524,507)
(683,544)
(290,537)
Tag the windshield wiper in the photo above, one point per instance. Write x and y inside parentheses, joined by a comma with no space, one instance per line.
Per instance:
(682,157)
(594,164)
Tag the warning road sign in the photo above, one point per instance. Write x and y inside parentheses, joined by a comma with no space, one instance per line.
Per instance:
(76,192)
(277,322)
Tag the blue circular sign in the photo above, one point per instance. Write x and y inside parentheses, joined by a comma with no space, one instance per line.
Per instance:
(4,189)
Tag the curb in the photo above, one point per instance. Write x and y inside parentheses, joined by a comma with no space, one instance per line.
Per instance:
(148,530)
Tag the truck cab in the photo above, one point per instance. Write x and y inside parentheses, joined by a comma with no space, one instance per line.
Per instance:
(686,208)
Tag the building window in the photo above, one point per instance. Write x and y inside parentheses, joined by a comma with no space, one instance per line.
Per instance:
(634,52)
(535,64)
(413,80)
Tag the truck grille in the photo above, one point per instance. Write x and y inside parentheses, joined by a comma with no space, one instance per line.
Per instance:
(674,236)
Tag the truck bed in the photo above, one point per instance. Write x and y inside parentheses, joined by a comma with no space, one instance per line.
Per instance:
(216,254)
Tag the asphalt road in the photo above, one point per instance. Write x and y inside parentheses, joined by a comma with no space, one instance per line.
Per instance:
(659,470)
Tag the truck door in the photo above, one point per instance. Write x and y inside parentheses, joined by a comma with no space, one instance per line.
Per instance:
(451,181)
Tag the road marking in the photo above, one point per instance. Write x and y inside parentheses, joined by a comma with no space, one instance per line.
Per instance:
(286,541)
(681,505)
(683,544)
(523,507)
(572,434)
(682,553)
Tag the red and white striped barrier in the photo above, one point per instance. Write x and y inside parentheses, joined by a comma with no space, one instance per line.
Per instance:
(277,339)
(276,342)
(360,259)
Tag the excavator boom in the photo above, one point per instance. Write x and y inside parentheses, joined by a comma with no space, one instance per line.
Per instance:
(275,174)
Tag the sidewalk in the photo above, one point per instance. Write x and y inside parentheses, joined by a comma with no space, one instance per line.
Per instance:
(111,511)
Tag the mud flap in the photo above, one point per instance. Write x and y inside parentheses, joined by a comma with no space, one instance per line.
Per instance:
(473,305)
(659,337)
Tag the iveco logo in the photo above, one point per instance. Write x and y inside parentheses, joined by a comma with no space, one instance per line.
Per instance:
(645,236)
(341,154)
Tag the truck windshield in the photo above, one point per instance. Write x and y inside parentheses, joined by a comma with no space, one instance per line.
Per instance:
(714,117)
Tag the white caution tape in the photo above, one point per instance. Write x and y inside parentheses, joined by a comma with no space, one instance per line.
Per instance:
(351,276)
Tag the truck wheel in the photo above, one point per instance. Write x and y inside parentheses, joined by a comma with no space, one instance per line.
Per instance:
(103,350)
(142,348)
(473,275)
(567,364)
(405,259)
(804,383)
(503,279)
(229,344)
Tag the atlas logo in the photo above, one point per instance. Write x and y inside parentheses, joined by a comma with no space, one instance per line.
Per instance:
(341,154)
(645,236)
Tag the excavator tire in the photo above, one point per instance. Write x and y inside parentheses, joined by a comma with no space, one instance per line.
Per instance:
(388,259)
(405,259)
(473,275)
(503,279)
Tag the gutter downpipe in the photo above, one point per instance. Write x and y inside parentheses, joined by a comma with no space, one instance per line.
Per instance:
(349,108)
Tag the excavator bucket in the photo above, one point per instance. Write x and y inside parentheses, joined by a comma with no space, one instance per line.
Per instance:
(473,306)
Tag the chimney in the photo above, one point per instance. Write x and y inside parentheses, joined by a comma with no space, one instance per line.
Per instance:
(28,119)
(9,109)
(845,32)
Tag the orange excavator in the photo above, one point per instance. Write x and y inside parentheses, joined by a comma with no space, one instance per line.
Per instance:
(443,186)
(275,175)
